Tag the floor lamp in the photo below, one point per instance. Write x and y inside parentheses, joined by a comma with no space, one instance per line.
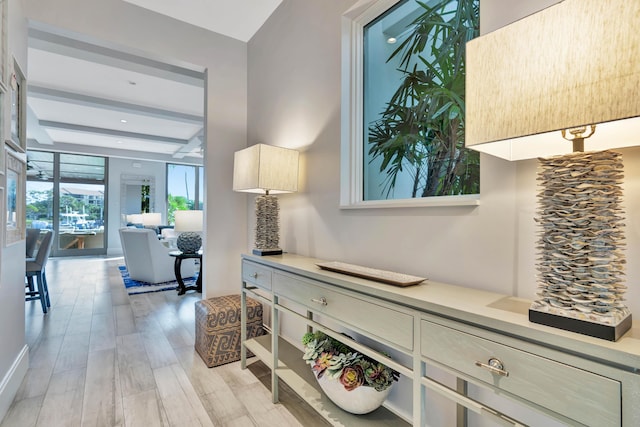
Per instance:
(266,170)
(569,72)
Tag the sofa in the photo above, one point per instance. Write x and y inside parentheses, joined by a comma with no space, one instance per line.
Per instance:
(148,260)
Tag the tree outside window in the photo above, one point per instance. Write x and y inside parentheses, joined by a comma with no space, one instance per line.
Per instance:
(413,106)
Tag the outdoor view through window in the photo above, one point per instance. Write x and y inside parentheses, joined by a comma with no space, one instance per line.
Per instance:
(185,189)
(413,106)
(65,193)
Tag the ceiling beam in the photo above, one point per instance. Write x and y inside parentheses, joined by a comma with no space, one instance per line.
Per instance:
(55,43)
(110,152)
(36,131)
(110,132)
(193,143)
(50,94)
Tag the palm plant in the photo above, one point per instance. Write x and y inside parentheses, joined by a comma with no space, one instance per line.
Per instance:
(422,125)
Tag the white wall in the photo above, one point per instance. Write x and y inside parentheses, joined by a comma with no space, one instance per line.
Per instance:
(13,350)
(294,101)
(123,24)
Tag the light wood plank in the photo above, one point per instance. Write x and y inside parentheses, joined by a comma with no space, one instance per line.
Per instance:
(158,349)
(133,365)
(103,334)
(61,409)
(98,406)
(143,410)
(23,413)
(179,398)
(125,323)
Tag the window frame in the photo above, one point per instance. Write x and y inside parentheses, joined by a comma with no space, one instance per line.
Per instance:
(352,135)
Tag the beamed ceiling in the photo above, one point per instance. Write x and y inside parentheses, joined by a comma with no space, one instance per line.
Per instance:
(84,97)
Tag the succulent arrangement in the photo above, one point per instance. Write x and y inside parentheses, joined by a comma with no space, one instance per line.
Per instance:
(331,358)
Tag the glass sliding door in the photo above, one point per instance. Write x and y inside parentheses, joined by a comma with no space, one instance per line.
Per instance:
(39,209)
(78,199)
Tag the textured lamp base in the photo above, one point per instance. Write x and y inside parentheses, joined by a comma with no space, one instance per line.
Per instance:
(189,242)
(581,241)
(584,327)
(267,226)
(263,252)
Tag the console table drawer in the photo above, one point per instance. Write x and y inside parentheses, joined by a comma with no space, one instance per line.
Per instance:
(391,325)
(575,393)
(256,274)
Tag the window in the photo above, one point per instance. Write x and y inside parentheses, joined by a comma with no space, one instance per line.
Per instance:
(403,110)
(184,188)
(66,193)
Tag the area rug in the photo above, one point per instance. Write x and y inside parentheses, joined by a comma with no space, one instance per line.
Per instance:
(135,287)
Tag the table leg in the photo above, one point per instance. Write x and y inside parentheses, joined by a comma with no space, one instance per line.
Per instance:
(176,269)
(199,279)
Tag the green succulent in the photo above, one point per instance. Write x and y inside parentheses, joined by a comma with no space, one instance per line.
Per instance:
(329,357)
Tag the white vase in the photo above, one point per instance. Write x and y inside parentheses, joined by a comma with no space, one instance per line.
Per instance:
(360,400)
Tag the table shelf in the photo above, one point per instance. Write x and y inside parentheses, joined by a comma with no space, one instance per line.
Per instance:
(293,370)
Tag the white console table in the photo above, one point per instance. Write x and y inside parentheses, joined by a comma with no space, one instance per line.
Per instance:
(480,337)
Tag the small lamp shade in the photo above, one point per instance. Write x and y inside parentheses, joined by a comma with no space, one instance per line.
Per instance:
(567,66)
(188,220)
(134,218)
(265,169)
(189,224)
(151,219)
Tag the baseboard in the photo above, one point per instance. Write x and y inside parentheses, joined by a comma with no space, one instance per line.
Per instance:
(12,380)
(113,252)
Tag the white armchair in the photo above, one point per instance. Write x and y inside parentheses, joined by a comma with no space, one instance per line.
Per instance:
(147,259)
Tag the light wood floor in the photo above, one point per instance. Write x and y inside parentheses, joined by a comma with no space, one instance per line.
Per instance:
(102,358)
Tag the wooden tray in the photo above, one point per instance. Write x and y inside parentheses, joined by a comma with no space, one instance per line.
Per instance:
(389,277)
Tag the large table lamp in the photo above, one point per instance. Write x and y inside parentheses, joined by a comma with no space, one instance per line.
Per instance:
(189,224)
(550,86)
(266,170)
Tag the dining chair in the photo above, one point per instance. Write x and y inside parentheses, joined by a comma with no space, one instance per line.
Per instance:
(31,241)
(35,267)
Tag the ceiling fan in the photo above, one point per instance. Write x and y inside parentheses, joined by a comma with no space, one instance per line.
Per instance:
(34,171)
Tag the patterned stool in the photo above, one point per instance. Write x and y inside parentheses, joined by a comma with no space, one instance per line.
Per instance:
(218,328)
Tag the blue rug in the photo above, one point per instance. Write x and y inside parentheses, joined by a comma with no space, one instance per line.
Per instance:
(135,287)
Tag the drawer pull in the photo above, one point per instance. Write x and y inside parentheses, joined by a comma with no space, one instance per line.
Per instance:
(495,366)
(255,275)
(321,300)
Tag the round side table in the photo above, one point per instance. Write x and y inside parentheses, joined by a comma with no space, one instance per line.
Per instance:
(179,256)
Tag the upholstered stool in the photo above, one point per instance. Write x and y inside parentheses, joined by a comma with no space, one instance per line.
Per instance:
(218,328)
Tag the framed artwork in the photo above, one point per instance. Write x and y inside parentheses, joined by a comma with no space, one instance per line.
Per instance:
(15,197)
(17,92)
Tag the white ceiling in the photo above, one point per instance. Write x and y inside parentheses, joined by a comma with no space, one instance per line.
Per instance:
(239,19)
(79,93)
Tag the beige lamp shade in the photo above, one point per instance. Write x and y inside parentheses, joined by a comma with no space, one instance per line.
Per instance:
(191,220)
(151,219)
(570,65)
(134,218)
(264,168)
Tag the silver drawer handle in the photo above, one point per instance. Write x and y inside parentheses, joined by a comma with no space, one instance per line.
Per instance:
(495,366)
(321,300)
(254,275)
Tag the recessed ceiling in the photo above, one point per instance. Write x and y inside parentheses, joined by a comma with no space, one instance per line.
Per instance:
(239,19)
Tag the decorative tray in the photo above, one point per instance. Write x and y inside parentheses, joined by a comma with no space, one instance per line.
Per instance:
(397,279)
